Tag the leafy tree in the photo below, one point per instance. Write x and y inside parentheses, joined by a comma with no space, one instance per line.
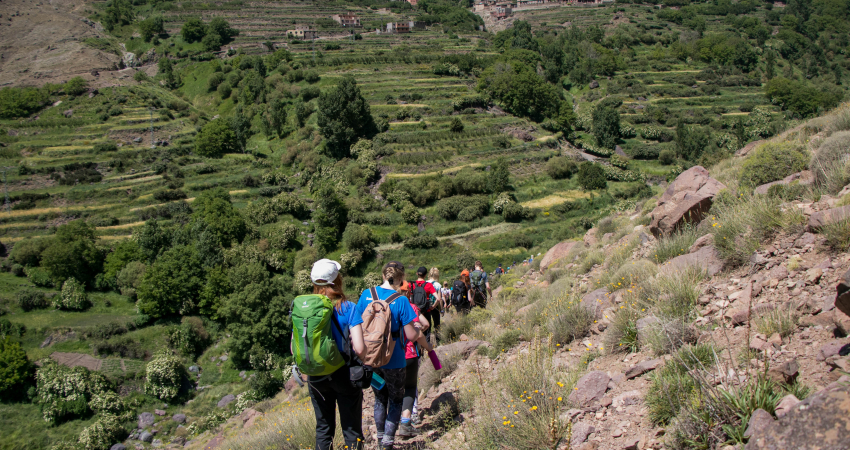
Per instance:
(211,42)
(150,27)
(253,88)
(331,216)
(76,86)
(591,177)
(28,251)
(691,141)
(21,102)
(117,13)
(215,214)
(241,126)
(73,254)
(15,368)
(125,252)
(166,69)
(456,125)
(520,90)
(257,314)
(344,117)
(499,179)
(358,237)
(153,239)
(193,30)
(274,120)
(172,284)
(302,112)
(606,126)
(799,97)
(221,28)
(215,139)
(518,36)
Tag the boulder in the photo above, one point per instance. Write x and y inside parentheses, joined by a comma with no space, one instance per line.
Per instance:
(760,421)
(805,239)
(249,417)
(786,405)
(146,419)
(590,388)
(597,301)
(179,418)
(159,412)
(739,316)
(118,447)
(818,422)
(580,432)
(594,84)
(842,294)
(145,437)
(804,178)
(445,400)
(556,253)
(687,199)
(590,237)
(643,367)
(194,369)
(707,258)
(748,148)
(703,241)
(821,218)
(226,400)
(68,113)
(832,348)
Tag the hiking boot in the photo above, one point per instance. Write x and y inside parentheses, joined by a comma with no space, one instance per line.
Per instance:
(382,446)
(415,420)
(407,430)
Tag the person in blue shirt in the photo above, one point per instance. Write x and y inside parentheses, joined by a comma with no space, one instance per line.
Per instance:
(389,399)
(335,390)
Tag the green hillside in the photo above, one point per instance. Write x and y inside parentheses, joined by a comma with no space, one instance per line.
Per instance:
(188,200)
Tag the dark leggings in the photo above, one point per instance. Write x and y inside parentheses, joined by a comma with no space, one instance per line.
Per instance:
(388,403)
(332,393)
(411,376)
(433,318)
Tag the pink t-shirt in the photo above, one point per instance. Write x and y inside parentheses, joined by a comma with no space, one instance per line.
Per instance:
(410,348)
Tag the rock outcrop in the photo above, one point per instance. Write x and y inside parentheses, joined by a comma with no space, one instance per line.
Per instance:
(687,199)
(556,253)
(804,178)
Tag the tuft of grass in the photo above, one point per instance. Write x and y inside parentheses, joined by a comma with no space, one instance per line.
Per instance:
(837,235)
(675,244)
(590,259)
(568,319)
(672,387)
(605,226)
(781,320)
(622,336)
(504,342)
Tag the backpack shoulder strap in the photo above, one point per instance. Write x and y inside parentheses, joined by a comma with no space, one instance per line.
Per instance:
(346,355)
(392,297)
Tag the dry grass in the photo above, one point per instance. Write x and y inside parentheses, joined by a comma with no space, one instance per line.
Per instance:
(555,199)
(122,226)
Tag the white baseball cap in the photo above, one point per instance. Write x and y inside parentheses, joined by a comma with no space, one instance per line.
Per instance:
(324,272)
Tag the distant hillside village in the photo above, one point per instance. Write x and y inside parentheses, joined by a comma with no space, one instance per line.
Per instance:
(500,9)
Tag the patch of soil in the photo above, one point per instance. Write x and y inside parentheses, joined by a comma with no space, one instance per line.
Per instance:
(77,359)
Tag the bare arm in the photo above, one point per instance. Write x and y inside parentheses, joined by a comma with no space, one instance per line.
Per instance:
(411,332)
(357,340)
(423,323)
(490,292)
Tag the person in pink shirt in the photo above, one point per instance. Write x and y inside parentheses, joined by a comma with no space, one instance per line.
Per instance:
(412,354)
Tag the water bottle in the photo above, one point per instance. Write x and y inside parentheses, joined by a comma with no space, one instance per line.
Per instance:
(435,360)
(377,382)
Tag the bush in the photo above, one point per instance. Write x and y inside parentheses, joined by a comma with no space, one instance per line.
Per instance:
(772,162)
(130,277)
(215,139)
(29,300)
(15,368)
(560,167)
(28,251)
(39,277)
(103,433)
(450,208)
(667,157)
(190,338)
(17,270)
(456,125)
(65,392)
(11,329)
(469,213)
(569,320)
(591,176)
(164,376)
(411,215)
(73,296)
(424,241)
(514,212)
(105,146)
(76,86)
(829,163)
(672,387)
(265,385)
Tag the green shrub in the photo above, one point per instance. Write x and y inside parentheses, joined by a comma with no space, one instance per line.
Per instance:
(130,277)
(504,342)
(456,125)
(675,244)
(190,338)
(514,212)
(265,385)
(15,368)
(622,335)
(829,163)
(29,300)
(103,433)
(837,235)
(39,277)
(569,320)
(667,157)
(28,251)
(411,215)
(672,387)
(105,146)
(72,297)
(591,176)
(469,213)
(76,86)
(11,329)
(560,167)
(17,270)
(165,374)
(782,320)
(772,162)
(65,392)
(423,241)
(450,208)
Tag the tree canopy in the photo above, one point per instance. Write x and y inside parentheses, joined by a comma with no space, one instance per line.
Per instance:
(344,117)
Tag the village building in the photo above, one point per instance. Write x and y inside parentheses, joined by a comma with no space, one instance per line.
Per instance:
(347,20)
(302,32)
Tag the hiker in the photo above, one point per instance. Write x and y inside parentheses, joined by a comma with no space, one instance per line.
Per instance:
(381,322)
(334,389)
(438,303)
(421,294)
(499,270)
(480,290)
(412,354)
(461,293)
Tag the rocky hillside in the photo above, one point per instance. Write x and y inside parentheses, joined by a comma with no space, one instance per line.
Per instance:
(704,318)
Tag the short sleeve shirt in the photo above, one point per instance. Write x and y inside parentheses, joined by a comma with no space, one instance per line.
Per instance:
(437,286)
(429,287)
(402,314)
(343,318)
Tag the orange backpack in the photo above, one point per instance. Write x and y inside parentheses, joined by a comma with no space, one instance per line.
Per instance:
(377,330)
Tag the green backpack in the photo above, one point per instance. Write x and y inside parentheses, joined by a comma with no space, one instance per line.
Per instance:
(313,346)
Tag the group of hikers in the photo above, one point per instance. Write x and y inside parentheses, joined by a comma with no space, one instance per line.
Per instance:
(345,347)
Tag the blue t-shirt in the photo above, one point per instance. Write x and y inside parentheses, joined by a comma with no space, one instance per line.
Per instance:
(343,318)
(402,314)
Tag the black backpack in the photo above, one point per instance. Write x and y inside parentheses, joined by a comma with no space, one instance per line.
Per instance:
(420,297)
(459,293)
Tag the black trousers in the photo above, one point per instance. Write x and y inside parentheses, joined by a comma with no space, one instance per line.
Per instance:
(330,393)
(411,377)
(433,318)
